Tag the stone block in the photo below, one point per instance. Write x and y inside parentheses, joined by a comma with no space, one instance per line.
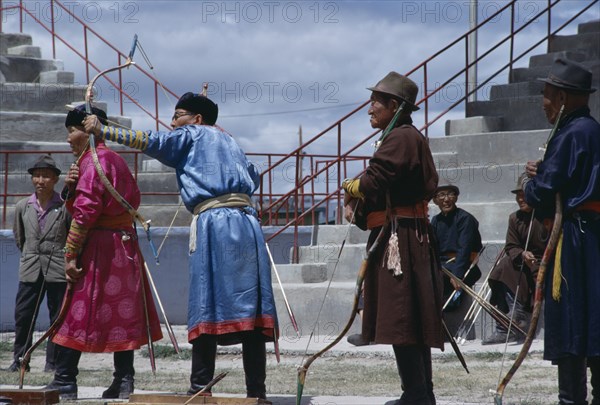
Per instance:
(22,69)
(516,90)
(57,76)
(10,40)
(548,59)
(29,51)
(36,97)
(473,125)
(587,43)
(589,27)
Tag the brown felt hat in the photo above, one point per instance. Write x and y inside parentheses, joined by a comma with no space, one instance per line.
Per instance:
(398,86)
(519,186)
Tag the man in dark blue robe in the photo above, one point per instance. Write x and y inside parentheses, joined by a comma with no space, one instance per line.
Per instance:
(571,168)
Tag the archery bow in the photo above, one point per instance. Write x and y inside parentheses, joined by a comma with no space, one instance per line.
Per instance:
(539,284)
(89,95)
(539,297)
(303,369)
(49,333)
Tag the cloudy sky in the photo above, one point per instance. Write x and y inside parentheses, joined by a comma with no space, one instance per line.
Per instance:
(275,65)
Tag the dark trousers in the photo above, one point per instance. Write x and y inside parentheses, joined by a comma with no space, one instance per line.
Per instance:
(26,308)
(67,365)
(414,367)
(254,356)
(572,380)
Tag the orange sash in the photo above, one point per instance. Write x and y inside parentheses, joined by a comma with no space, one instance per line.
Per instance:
(377,218)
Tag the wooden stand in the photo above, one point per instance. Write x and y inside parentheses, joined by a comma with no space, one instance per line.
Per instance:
(160,399)
(31,396)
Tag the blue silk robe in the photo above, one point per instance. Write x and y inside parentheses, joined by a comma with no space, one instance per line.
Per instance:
(230,273)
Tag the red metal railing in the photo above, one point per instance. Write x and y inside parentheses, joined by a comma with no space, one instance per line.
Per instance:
(444,54)
(275,205)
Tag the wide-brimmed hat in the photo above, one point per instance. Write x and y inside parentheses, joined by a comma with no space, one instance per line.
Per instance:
(519,186)
(571,76)
(446,185)
(44,162)
(398,86)
(199,104)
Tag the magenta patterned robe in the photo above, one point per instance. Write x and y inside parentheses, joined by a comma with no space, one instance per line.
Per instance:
(107,308)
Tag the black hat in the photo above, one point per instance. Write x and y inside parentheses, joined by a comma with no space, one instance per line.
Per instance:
(571,76)
(398,86)
(44,162)
(199,104)
(76,116)
(446,185)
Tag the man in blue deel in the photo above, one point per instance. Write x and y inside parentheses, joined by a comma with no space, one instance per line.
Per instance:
(231,297)
(571,169)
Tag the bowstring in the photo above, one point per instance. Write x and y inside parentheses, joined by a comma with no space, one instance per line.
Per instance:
(351,222)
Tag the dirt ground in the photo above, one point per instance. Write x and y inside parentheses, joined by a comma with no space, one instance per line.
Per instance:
(340,372)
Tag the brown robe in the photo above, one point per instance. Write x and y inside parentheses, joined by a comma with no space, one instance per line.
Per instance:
(508,269)
(403,310)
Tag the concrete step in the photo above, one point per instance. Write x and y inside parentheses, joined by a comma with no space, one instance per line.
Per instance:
(524,113)
(306,300)
(443,157)
(484,182)
(345,268)
(337,233)
(37,97)
(301,273)
(23,126)
(21,69)
(474,125)
(548,59)
(57,77)
(516,90)
(587,43)
(494,148)
(10,40)
(589,27)
(28,51)
(527,74)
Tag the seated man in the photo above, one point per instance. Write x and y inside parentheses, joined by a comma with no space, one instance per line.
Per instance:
(515,274)
(459,241)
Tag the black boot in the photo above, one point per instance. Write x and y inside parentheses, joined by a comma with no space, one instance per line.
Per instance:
(65,376)
(254,355)
(204,352)
(415,373)
(594,365)
(572,381)
(122,384)
(50,358)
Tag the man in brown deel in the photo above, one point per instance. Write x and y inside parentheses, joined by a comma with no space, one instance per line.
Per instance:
(514,276)
(403,284)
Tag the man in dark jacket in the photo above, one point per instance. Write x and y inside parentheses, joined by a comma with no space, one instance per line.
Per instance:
(457,232)
(40,228)
(571,170)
